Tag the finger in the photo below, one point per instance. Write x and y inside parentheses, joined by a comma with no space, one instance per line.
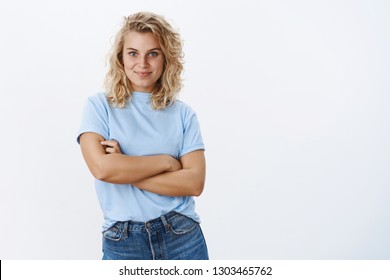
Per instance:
(111,142)
(114,146)
(110,150)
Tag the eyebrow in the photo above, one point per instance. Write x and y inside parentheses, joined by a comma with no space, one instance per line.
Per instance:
(154,49)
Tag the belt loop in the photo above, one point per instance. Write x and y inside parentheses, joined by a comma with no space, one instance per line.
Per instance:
(125,227)
(165,223)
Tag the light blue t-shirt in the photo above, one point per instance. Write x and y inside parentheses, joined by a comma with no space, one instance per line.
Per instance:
(142,131)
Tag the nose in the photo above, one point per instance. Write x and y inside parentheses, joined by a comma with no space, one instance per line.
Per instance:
(143,61)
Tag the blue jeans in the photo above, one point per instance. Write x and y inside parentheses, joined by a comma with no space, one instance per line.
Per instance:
(173,236)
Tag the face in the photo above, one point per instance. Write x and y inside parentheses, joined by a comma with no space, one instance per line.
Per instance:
(143,60)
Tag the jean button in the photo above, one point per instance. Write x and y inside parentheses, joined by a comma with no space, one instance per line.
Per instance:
(147,225)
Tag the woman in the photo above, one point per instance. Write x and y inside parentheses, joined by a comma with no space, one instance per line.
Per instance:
(145,148)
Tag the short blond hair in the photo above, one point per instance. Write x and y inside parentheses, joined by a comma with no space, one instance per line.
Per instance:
(117,85)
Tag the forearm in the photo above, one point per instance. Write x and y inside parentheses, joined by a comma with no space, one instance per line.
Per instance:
(123,169)
(109,166)
(184,182)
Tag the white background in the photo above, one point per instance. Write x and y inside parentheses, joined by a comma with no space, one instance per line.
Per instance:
(293,101)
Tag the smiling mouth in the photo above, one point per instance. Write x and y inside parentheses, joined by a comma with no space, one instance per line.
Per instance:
(143,74)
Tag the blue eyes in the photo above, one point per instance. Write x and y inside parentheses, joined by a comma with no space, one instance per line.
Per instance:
(152,54)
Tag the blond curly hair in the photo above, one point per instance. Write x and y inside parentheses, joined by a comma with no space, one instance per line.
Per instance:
(118,86)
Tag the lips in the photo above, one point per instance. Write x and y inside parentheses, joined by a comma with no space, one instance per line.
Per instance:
(143,74)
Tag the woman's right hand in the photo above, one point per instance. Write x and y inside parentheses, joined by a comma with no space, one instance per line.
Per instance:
(111,146)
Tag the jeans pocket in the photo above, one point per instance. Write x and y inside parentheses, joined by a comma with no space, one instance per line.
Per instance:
(114,233)
(182,224)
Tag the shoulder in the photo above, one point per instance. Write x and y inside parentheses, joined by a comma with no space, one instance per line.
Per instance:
(187,113)
(183,107)
(97,104)
(98,100)
(99,97)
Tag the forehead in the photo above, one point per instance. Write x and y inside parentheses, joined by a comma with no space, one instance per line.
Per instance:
(140,40)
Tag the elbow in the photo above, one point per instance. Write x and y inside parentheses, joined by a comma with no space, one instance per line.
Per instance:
(99,172)
(100,176)
(106,175)
(198,188)
(197,183)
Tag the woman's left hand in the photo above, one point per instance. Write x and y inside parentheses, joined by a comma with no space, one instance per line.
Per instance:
(111,146)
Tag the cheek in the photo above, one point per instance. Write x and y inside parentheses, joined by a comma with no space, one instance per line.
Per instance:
(160,65)
(127,64)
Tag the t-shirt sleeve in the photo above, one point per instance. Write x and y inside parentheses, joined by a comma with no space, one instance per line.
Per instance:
(95,117)
(192,139)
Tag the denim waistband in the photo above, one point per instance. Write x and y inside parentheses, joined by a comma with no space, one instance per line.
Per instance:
(162,221)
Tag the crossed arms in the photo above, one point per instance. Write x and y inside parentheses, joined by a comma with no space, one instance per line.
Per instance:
(160,174)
